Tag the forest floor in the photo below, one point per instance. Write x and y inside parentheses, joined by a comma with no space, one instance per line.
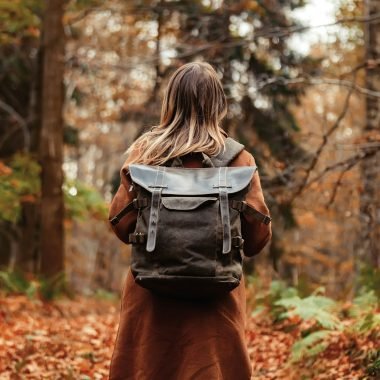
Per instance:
(73,339)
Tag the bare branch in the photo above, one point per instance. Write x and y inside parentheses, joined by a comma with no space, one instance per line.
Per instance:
(339,182)
(318,81)
(345,164)
(281,32)
(20,121)
(317,154)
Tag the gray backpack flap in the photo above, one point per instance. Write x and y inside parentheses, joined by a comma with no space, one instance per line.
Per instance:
(187,242)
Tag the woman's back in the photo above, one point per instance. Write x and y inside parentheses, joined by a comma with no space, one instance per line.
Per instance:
(161,338)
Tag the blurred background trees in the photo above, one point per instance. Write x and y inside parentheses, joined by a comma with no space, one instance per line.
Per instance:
(310,117)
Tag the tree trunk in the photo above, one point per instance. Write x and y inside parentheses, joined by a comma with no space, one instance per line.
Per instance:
(27,257)
(369,243)
(51,143)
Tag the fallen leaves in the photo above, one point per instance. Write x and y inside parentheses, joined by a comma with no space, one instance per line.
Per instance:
(73,340)
(346,355)
(67,339)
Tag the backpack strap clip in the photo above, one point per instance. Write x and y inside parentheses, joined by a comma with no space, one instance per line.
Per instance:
(136,204)
(137,238)
(155,208)
(237,242)
(245,208)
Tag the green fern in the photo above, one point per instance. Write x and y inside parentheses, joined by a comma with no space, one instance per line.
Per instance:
(312,345)
(364,303)
(53,287)
(280,290)
(318,308)
(373,369)
(15,282)
(369,323)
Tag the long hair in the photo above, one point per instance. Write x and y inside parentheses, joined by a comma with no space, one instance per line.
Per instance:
(194,104)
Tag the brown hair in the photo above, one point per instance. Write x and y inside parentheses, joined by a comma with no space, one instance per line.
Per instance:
(193,106)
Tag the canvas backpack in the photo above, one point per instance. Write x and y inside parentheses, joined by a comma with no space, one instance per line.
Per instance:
(188,242)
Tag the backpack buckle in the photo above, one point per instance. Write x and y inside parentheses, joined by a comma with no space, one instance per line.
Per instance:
(140,203)
(237,242)
(137,238)
(238,205)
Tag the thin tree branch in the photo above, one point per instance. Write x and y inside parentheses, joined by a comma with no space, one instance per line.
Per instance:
(316,81)
(281,32)
(345,164)
(317,154)
(338,183)
(190,50)
(20,121)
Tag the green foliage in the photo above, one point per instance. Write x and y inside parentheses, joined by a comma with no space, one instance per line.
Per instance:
(19,182)
(311,345)
(51,288)
(318,318)
(369,279)
(368,323)
(19,19)
(82,200)
(314,307)
(80,5)
(364,309)
(280,290)
(15,282)
(47,289)
(365,302)
(104,294)
(266,298)
(71,135)
(373,369)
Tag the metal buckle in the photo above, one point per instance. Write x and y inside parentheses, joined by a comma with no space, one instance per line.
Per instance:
(238,205)
(140,203)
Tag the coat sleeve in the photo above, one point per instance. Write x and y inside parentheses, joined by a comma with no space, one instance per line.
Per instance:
(255,234)
(124,195)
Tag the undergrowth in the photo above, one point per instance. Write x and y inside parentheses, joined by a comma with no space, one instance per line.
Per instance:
(47,289)
(322,323)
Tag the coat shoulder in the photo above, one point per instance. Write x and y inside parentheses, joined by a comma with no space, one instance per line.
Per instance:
(244,158)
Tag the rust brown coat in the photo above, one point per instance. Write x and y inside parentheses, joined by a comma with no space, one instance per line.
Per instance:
(165,339)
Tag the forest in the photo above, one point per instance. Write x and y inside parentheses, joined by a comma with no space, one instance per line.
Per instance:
(80,80)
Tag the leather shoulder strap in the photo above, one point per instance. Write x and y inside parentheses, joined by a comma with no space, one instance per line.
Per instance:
(233,148)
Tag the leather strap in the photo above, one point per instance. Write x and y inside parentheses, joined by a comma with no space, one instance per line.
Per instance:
(245,208)
(155,208)
(134,205)
(224,210)
(128,208)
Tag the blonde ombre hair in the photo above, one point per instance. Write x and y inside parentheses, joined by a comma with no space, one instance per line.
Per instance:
(193,106)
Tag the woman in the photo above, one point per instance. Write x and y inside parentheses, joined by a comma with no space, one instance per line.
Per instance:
(167,339)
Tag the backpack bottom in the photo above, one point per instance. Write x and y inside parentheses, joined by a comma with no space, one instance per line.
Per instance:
(188,287)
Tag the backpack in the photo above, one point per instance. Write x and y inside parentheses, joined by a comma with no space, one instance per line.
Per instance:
(187,242)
